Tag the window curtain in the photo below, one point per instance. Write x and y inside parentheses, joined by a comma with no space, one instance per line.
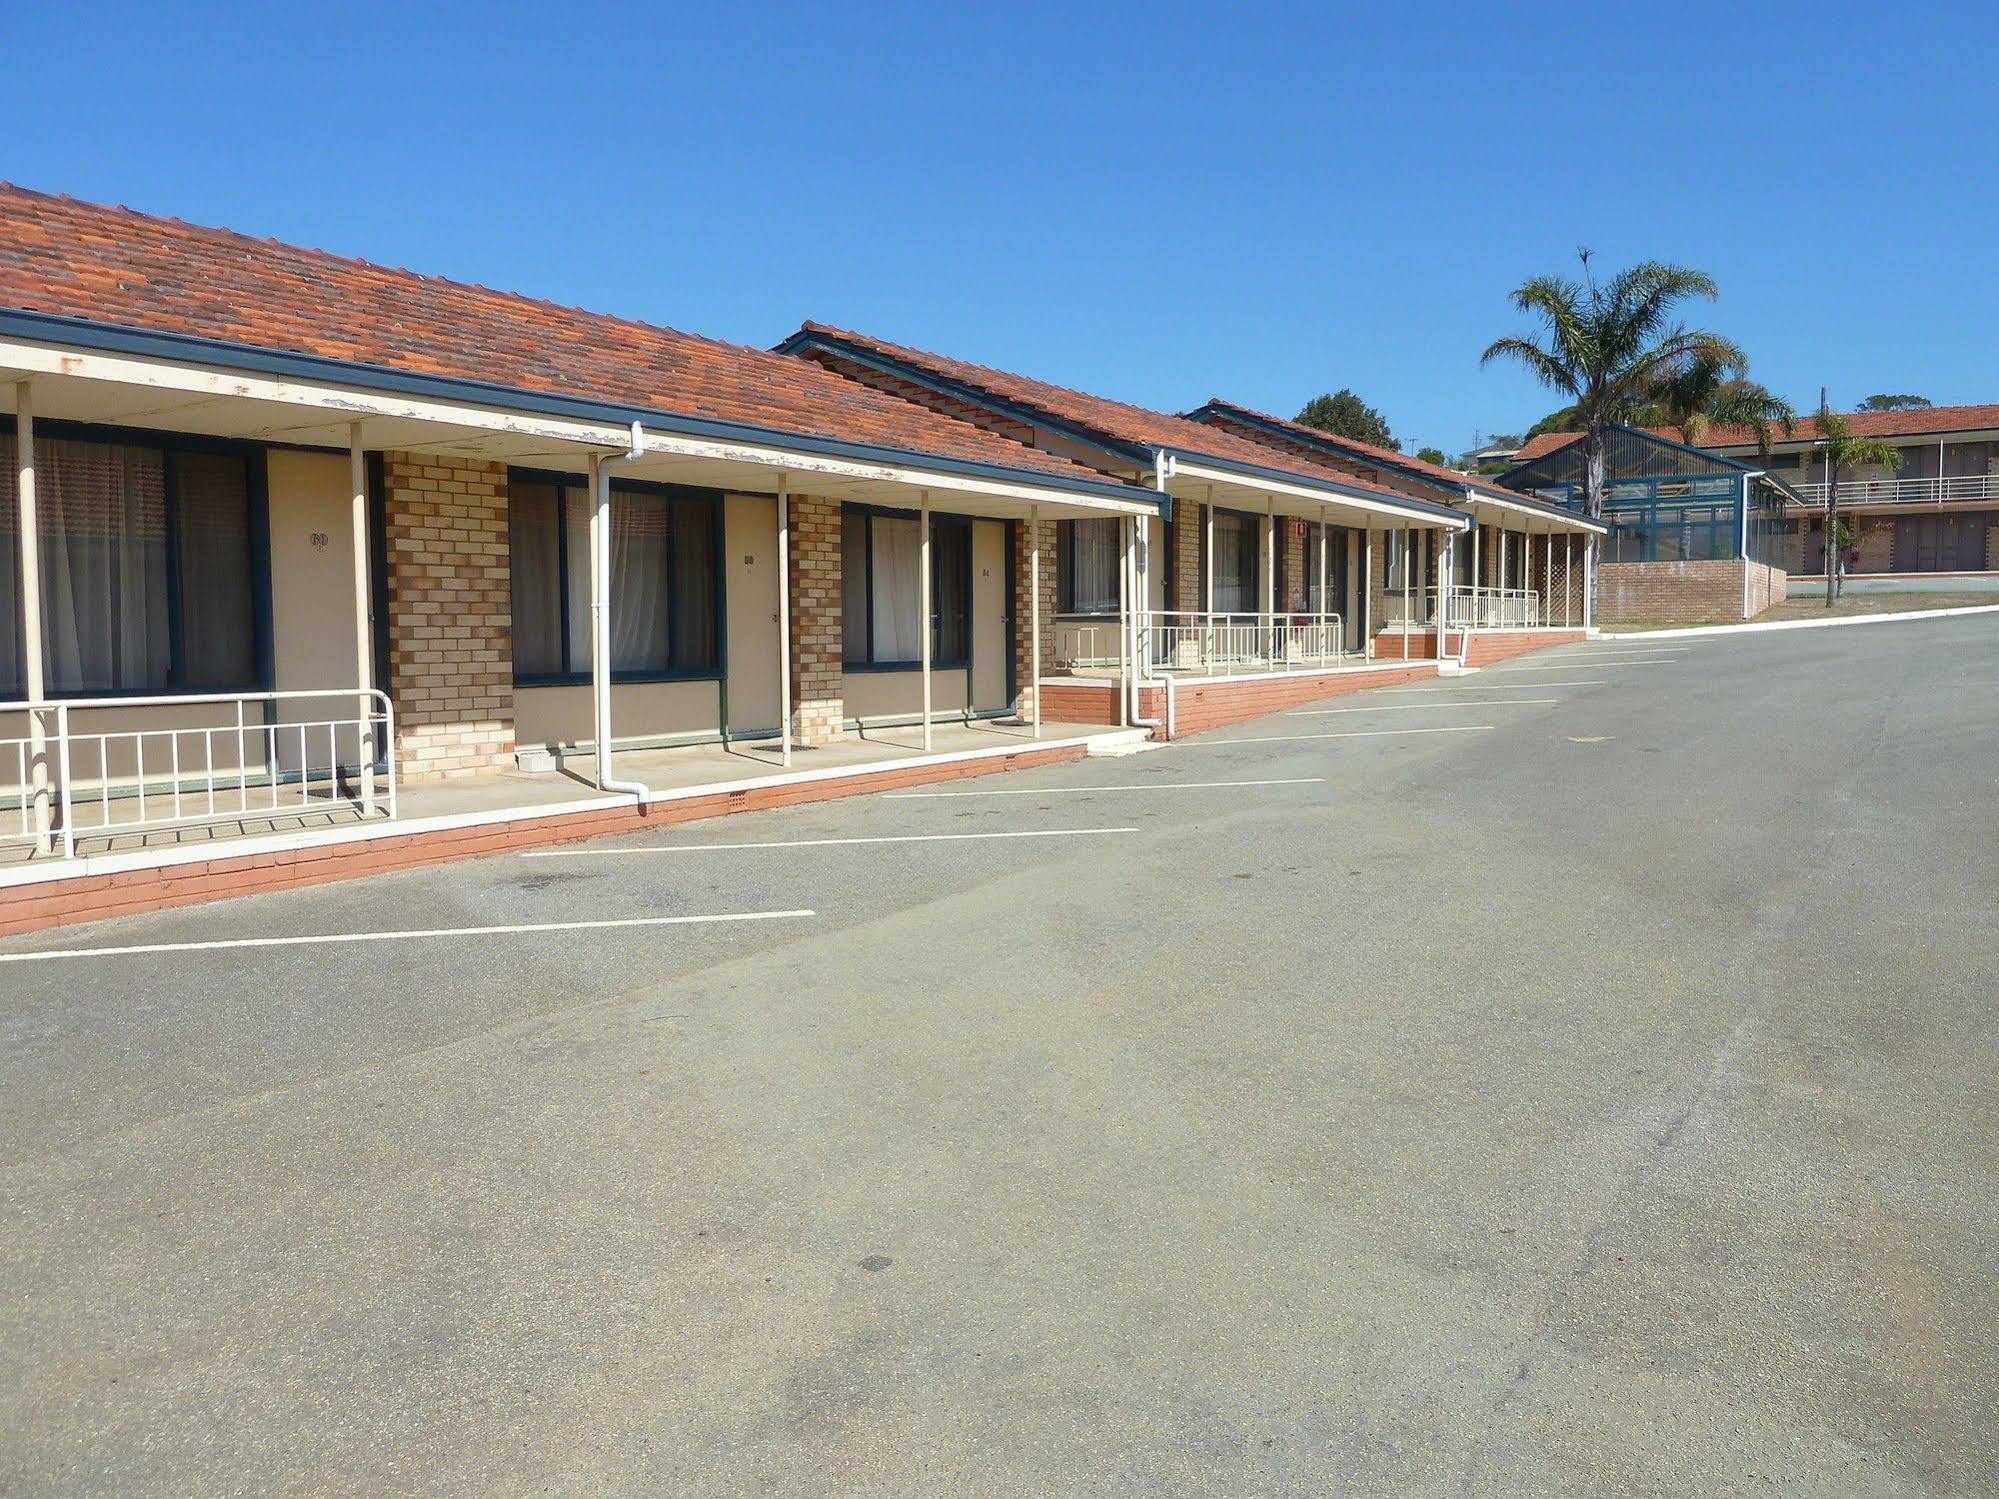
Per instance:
(103,524)
(695,545)
(1235,564)
(950,555)
(536,561)
(212,553)
(854,586)
(897,547)
(639,585)
(1093,566)
(13,666)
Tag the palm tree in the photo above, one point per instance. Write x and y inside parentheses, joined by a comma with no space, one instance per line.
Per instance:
(1838,450)
(1707,394)
(1609,345)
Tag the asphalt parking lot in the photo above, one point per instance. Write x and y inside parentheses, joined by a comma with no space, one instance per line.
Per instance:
(1576,1075)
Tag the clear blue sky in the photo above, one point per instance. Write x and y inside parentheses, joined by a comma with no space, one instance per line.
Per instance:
(1160,203)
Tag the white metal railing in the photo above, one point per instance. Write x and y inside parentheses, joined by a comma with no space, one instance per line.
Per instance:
(70,780)
(1906,491)
(1466,608)
(1203,644)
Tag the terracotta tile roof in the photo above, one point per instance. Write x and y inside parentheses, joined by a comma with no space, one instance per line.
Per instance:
(1117,421)
(1361,452)
(1931,421)
(116,266)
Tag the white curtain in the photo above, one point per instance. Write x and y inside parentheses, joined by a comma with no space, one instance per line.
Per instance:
(103,528)
(638,583)
(1235,564)
(898,548)
(1093,577)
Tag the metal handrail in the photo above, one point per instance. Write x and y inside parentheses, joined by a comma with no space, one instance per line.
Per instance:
(47,794)
(1205,644)
(1467,607)
(1932,490)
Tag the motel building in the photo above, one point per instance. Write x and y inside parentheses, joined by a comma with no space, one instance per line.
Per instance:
(1722,529)
(314,568)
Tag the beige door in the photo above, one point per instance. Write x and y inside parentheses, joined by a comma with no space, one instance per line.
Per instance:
(992,602)
(749,534)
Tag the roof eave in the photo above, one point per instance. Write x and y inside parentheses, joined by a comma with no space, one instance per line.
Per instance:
(151,343)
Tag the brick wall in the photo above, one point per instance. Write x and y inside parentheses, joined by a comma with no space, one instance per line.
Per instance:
(1024,605)
(1681,592)
(1212,705)
(1291,563)
(818,619)
(451,637)
(1487,646)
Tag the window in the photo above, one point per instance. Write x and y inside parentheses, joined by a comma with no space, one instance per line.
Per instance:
(1328,545)
(665,602)
(149,556)
(1087,554)
(1237,578)
(881,557)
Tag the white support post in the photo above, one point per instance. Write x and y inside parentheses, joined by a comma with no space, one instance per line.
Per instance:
(1477,538)
(784,616)
(600,609)
(1444,543)
(923,613)
(34,680)
(1268,601)
(1034,610)
(364,633)
(1568,577)
(1367,598)
(1408,566)
(1208,561)
(1124,621)
(1589,584)
(1320,633)
(1548,577)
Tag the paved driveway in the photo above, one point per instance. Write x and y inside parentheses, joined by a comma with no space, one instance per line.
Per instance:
(1579,1075)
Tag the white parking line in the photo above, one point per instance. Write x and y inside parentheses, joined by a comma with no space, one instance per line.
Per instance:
(1495,687)
(920,796)
(715,848)
(1582,666)
(396,936)
(1476,702)
(1462,728)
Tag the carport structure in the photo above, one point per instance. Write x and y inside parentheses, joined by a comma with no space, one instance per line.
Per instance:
(1518,578)
(304,553)
(1260,574)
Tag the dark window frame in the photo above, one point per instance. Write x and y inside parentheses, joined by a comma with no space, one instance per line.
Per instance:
(256,478)
(948,522)
(1066,559)
(571,677)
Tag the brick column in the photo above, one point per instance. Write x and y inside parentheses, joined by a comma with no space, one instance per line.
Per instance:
(1292,599)
(818,628)
(451,634)
(1188,519)
(1023,620)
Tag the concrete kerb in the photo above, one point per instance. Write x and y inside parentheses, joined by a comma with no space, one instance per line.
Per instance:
(1798,624)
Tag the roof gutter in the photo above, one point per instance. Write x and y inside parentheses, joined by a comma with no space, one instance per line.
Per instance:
(1313,481)
(151,344)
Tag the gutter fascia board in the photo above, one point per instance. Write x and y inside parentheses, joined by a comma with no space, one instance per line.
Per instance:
(1331,487)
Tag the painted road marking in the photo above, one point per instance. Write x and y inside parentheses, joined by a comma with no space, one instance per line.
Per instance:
(397,936)
(1495,686)
(1583,666)
(918,796)
(716,848)
(1462,728)
(1476,702)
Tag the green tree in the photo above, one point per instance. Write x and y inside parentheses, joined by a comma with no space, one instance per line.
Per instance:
(1433,455)
(1894,403)
(1345,414)
(1838,450)
(1707,393)
(1607,345)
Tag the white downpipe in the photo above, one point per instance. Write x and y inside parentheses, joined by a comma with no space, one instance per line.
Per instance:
(1367,599)
(600,607)
(923,613)
(364,633)
(1034,609)
(1141,637)
(784,615)
(31,601)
